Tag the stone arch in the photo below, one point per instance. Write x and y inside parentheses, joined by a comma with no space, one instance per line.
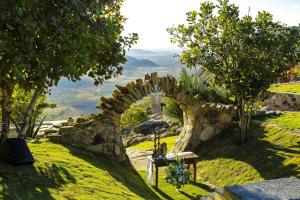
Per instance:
(199,124)
(102,133)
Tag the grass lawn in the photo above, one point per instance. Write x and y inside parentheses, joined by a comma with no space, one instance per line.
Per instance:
(270,153)
(288,121)
(68,173)
(148,145)
(293,88)
(62,172)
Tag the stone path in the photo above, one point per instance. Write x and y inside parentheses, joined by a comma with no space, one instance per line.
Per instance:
(138,158)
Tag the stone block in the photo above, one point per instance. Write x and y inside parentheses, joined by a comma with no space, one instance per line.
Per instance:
(207,133)
(67,130)
(225,118)
(98,148)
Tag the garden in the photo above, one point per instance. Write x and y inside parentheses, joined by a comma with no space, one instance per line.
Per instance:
(230,119)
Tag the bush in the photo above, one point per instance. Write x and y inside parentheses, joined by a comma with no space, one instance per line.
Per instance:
(172,111)
(136,114)
(199,83)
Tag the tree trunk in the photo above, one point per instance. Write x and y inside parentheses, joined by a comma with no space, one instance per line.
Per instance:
(5,108)
(243,121)
(26,120)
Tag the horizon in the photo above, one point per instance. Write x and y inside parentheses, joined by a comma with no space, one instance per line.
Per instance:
(152,28)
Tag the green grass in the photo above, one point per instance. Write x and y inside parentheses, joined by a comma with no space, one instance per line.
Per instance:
(148,145)
(292,88)
(68,173)
(288,121)
(270,153)
(62,172)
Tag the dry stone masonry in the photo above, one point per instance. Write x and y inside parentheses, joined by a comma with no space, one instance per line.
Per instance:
(283,101)
(102,133)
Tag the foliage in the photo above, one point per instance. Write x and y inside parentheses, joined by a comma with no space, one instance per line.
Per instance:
(177,174)
(172,111)
(21,99)
(136,114)
(244,55)
(42,41)
(199,83)
(292,87)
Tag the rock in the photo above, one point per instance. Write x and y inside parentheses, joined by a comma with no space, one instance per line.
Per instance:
(225,118)
(207,133)
(56,138)
(67,130)
(98,148)
(51,130)
(148,127)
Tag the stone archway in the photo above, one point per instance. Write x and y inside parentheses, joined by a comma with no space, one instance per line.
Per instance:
(102,134)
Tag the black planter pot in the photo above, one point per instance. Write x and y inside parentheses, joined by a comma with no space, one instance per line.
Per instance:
(16,152)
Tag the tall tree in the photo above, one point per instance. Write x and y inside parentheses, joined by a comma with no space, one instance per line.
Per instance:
(245,55)
(41,41)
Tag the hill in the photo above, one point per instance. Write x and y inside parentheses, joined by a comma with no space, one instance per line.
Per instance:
(62,172)
(133,62)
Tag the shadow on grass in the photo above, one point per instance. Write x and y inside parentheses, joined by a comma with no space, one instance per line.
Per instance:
(121,172)
(29,182)
(203,186)
(267,158)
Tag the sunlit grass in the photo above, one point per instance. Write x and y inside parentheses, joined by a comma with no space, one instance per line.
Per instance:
(148,145)
(292,88)
(288,121)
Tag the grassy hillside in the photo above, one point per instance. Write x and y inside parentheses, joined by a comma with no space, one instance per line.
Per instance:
(62,172)
(271,152)
(293,88)
(68,173)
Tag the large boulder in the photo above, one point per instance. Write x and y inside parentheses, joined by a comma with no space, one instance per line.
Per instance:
(148,127)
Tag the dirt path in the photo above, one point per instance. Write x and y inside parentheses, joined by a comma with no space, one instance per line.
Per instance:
(138,158)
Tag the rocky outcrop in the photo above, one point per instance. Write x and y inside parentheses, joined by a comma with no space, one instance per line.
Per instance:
(148,127)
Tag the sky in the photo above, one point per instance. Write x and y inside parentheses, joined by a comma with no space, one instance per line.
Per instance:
(150,18)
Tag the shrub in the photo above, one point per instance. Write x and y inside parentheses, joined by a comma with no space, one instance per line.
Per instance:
(172,111)
(21,100)
(199,83)
(136,114)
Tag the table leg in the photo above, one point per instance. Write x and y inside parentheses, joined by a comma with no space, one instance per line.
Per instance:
(156,176)
(195,170)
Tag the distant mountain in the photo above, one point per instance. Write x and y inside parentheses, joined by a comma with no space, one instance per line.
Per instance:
(161,58)
(133,62)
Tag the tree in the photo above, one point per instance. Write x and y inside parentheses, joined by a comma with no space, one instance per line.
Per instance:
(244,55)
(41,41)
(21,99)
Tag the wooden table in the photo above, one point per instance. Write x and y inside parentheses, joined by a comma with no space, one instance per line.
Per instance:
(188,159)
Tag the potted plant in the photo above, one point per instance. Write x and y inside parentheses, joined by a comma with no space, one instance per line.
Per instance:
(177,174)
